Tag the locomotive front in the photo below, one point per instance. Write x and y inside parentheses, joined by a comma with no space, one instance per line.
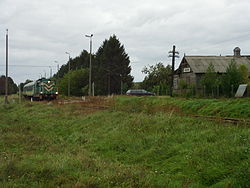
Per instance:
(48,89)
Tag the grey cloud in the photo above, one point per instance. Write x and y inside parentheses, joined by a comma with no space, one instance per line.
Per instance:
(41,31)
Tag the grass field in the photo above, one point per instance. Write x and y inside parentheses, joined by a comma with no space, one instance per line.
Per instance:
(125,142)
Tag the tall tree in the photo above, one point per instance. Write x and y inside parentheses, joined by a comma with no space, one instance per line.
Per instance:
(12,87)
(78,82)
(111,68)
(157,78)
(232,79)
(211,80)
(79,62)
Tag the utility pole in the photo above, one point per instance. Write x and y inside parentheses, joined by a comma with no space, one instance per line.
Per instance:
(173,55)
(6,77)
(93,89)
(69,75)
(121,83)
(109,83)
(20,93)
(57,68)
(90,63)
(44,74)
(50,71)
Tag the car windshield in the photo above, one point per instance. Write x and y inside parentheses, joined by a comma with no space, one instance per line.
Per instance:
(137,91)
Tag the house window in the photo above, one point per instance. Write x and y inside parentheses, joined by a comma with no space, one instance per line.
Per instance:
(186,70)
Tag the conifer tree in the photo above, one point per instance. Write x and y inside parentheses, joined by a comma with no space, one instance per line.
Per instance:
(111,68)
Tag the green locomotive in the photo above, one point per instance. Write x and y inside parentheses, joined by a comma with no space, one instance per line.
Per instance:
(41,89)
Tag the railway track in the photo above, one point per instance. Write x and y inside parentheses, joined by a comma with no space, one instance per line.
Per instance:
(224,119)
(102,104)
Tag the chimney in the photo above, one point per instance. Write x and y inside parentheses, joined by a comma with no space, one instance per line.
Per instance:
(237,52)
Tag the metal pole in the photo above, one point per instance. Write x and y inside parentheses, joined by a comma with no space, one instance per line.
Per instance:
(69,79)
(121,84)
(109,84)
(172,76)
(6,78)
(69,75)
(20,94)
(232,90)
(57,69)
(50,72)
(90,63)
(93,89)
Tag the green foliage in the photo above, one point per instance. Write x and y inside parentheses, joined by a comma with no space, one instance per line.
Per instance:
(79,62)
(183,84)
(233,108)
(157,78)
(78,82)
(211,80)
(187,90)
(131,144)
(231,80)
(12,87)
(111,67)
(244,73)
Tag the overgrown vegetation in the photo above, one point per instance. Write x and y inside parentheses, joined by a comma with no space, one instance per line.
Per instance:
(211,81)
(232,108)
(136,142)
(157,79)
(226,84)
(232,79)
(110,70)
(12,87)
(78,82)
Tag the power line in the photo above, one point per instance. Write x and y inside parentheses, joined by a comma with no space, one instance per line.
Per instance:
(26,65)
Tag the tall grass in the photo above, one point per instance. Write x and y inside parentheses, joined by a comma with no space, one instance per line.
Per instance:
(235,108)
(61,145)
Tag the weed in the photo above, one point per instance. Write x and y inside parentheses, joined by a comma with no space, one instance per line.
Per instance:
(132,142)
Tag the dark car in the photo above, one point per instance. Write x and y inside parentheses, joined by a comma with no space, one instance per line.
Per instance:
(139,92)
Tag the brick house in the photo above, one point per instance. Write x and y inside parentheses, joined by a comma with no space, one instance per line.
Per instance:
(192,68)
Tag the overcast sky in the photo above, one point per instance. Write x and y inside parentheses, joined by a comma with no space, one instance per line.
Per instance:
(40,31)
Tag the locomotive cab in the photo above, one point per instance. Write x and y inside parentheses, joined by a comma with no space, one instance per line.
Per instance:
(41,89)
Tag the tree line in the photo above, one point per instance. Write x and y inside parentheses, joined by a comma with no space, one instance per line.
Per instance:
(111,75)
(158,80)
(225,84)
(110,71)
(12,87)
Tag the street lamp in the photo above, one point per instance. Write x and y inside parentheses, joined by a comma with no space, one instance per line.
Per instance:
(121,83)
(57,68)
(69,75)
(7,59)
(44,74)
(90,66)
(50,68)
(57,65)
